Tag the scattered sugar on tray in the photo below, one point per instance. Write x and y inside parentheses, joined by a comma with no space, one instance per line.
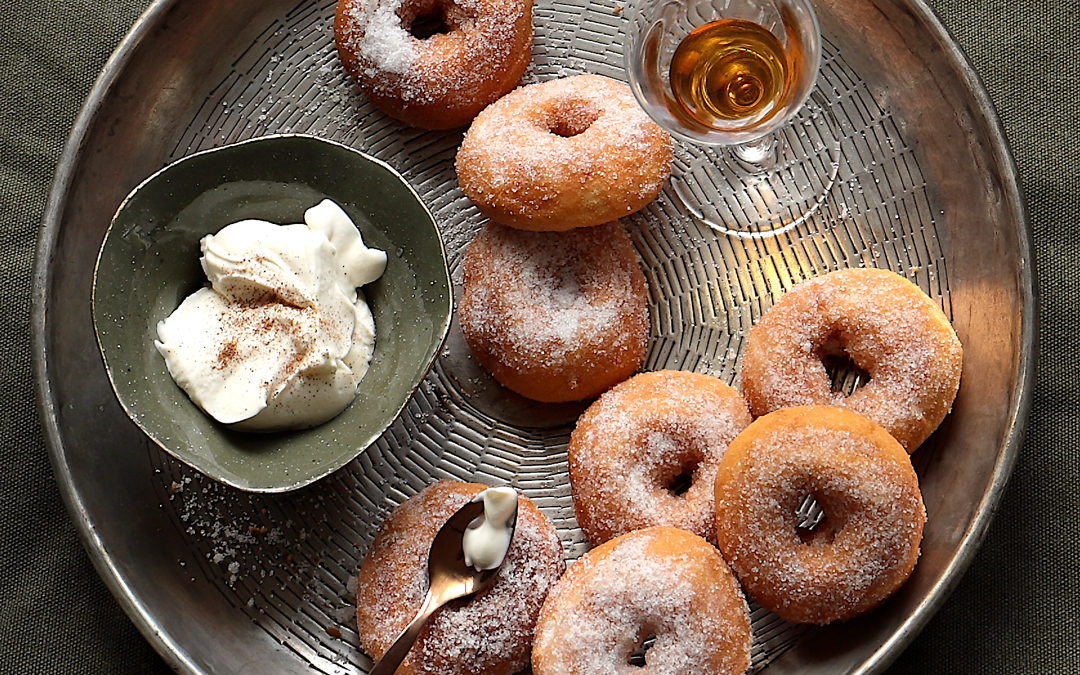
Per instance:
(236,535)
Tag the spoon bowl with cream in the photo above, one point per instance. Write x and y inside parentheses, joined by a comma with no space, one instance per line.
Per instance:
(464,559)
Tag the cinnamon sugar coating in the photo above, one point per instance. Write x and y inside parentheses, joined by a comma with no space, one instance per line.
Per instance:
(561,154)
(644,440)
(886,325)
(660,582)
(866,546)
(555,316)
(478,52)
(490,634)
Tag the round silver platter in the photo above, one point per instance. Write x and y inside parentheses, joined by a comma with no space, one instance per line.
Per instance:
(222,581)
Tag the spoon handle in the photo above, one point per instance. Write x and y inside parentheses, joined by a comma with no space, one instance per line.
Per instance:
(393,657)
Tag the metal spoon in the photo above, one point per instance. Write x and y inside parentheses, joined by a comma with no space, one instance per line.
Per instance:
(449,578)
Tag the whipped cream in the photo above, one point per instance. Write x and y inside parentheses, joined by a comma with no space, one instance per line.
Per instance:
(280,339)
(487,538)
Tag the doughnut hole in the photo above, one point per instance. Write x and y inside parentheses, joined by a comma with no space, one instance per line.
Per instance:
(426,18)
(810,513)
(571,117)
(645,640)
(846,375)
(677,456)
(429,24)
(637,657)
(808,516)
(681,483)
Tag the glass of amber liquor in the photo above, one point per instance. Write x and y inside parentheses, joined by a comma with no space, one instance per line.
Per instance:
(732,74)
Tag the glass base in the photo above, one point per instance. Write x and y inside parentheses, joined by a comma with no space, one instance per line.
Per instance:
(764,189)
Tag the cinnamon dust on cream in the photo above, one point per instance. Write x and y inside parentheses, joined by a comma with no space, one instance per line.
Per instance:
(280,338)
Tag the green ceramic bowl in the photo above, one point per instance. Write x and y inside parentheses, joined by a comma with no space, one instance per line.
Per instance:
(149,262)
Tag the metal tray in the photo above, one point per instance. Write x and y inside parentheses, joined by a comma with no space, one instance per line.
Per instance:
(222,581)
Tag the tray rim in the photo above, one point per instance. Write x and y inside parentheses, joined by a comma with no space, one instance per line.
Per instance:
(174,654)
(169,650)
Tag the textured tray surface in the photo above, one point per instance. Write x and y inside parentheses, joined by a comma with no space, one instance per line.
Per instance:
(920,178)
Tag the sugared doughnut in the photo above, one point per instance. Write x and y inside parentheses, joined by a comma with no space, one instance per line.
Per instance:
(555,316)
(887,327)
(434,63)
(561,154)
(646,452)
(868,542)
(661,583)
(490,634)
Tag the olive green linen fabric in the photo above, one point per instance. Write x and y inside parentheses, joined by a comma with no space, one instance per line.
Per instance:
(1015,611)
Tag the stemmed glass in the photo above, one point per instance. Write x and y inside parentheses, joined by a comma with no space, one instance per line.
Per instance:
(734,79)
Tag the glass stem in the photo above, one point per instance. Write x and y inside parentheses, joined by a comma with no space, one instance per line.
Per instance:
(762,154)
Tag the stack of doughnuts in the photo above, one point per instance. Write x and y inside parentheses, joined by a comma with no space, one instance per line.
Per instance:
(559,315)
(553,302)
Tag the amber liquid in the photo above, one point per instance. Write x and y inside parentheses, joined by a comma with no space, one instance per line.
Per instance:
(731,71)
